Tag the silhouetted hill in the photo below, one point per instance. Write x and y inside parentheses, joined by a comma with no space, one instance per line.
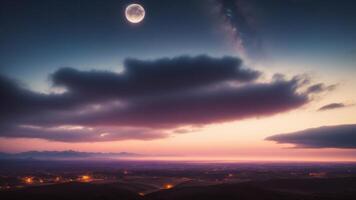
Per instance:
(53,155)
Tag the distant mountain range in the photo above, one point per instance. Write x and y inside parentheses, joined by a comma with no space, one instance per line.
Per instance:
(62,155)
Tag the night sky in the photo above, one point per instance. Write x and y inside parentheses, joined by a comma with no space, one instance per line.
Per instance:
(232,78)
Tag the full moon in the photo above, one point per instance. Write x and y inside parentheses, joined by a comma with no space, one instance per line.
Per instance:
(135,13)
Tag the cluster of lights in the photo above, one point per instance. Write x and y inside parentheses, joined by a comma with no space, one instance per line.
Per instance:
(31,180)
(5,187)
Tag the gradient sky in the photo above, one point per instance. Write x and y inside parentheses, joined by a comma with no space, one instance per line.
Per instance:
(77,75)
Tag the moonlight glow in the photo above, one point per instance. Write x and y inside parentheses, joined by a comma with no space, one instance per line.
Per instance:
(135,13)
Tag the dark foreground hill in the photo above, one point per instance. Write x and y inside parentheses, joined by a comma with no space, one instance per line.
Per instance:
(223,192)
(65,155)
(71,191)
(282,189)
(278,189)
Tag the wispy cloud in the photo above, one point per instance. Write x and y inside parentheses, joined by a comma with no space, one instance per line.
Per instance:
(333,106)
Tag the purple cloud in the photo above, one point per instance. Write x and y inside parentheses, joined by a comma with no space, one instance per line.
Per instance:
(341,136)
(148,100)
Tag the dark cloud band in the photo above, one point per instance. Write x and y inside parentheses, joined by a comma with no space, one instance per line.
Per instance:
(342,136)
(147,78)
(149,99)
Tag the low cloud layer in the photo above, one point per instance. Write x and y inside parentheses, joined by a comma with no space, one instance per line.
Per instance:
(342,136)
(148,100)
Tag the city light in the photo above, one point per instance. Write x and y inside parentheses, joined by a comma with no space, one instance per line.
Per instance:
(28,180)
(85,178)
(168,186)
